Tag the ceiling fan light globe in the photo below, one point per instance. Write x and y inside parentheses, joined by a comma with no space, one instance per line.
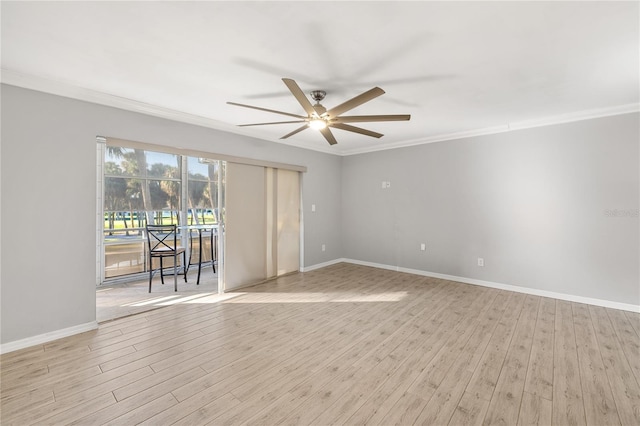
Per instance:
(317,124)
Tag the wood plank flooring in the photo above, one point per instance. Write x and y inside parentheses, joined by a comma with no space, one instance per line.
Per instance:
(345,344)
(120,300)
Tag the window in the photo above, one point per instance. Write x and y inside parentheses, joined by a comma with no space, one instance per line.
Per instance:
(140,184)
(203,177)
(202,193)
(143,186)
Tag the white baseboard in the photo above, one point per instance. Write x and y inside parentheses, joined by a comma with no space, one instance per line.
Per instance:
(527,290)
(47,337)
(58,334)
(323,264)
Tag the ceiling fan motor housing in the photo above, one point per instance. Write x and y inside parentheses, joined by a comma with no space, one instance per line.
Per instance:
(318,95)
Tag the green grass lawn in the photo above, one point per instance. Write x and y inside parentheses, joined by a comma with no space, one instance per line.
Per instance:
(119,224)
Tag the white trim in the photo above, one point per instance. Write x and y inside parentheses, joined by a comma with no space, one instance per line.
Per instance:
(526,290)
(47,337)
(323,264)
(430,139)
(222,194)
(68,90)
(576,116)
(301,223)
(54,335)
(100,151)
(520,125)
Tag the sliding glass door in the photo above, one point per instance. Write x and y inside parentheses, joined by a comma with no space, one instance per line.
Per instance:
(250,213)
(141,187)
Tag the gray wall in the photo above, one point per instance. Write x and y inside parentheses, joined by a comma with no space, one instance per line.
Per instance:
(48,200)
(533,203)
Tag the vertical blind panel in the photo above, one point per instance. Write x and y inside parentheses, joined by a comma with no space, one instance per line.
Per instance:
(245,232)
(288,221)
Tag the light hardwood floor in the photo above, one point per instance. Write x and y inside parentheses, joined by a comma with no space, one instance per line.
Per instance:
(121,300)
(345,344)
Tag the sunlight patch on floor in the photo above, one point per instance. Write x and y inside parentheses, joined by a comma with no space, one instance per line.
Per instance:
(392,296)
(184,299)
(337,297)
(216,298)
(153,301)
(192,299)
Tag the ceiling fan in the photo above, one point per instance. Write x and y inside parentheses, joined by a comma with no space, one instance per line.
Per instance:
(322,119)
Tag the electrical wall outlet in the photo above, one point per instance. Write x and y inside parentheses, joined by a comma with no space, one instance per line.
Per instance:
(384,184)
(324,247)
(480,261)
(313,207)
(423,246)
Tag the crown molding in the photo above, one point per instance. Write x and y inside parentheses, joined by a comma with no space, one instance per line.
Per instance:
(520,125)
(68,90)
(430,139)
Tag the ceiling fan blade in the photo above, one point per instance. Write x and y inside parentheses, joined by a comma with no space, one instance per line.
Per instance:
(355,129)
(328,136)
(354,102)
(267,110)
(298,130)
(275,122)
(300,96)
(370,118)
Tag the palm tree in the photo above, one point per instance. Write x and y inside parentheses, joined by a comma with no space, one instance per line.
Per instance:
(115,151)
(196,186)
(141,162)
(214,168)
(114,192)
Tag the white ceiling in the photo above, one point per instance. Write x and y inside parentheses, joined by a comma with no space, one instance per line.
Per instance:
(455,67)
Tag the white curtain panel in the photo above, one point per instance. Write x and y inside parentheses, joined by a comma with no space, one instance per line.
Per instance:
(288,221)
(245,230)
